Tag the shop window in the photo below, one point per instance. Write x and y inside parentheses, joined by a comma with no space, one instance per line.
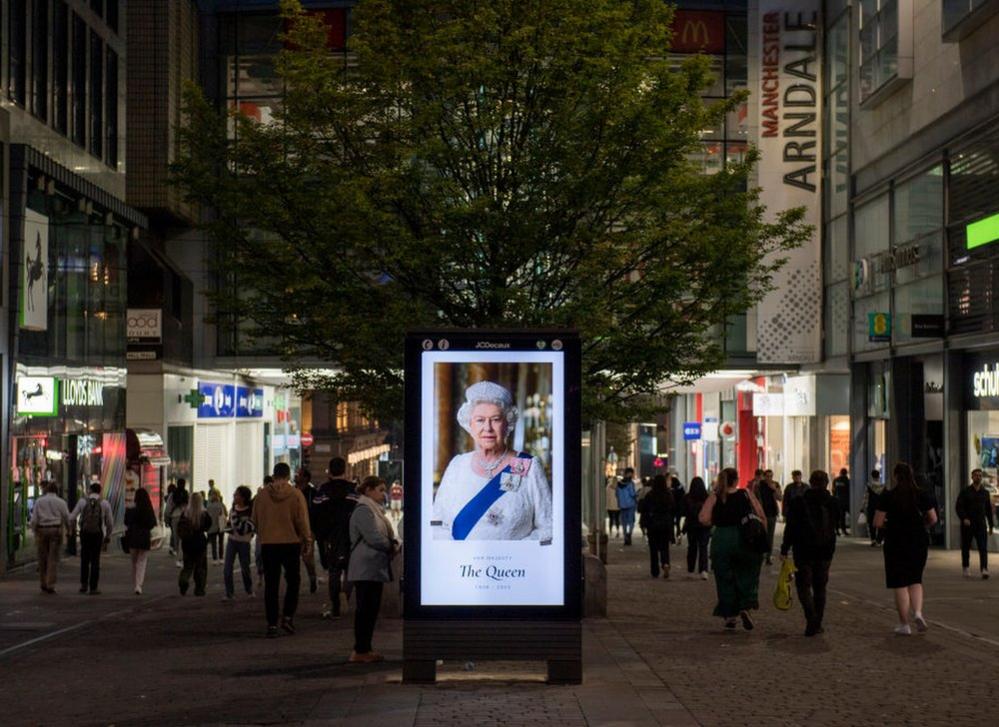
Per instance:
(923,298)
(79,56)
(96,95)
(17,58)
(885,35)
(60,66)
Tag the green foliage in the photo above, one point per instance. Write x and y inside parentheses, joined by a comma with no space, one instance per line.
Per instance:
(475,164)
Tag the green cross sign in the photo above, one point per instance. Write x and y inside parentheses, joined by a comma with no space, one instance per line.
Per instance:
(194,398)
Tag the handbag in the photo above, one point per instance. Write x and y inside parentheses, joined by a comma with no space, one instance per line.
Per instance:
(754,534)
(782,591)
(862,519)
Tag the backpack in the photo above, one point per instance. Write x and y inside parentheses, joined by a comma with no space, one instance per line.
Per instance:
(185,528)
(92,519)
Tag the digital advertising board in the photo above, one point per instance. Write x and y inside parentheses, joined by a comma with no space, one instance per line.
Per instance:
(492,522)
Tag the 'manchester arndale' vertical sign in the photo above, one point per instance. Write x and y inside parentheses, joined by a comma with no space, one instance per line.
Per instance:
(787,96)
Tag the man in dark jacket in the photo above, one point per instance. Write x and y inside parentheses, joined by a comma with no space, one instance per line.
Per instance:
(974,508)
(769,494)
(810,533)
(841,491)
(794,488)
(332,507)
(657,509)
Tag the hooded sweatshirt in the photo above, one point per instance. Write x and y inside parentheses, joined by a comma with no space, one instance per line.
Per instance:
(281,516)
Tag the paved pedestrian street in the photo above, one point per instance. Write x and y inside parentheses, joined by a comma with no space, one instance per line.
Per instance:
(659,659)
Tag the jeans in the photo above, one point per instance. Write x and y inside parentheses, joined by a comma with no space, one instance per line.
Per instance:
(235,548)
(90,559)
(614,518)
(697,549)
(48,541)
(659,548)
(981,535)
(369,601)
(278,557)
(217,541)
(139,558)
(627,523)
(196,563)
(810,581)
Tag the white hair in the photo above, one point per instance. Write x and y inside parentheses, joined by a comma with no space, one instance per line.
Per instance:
(487,392)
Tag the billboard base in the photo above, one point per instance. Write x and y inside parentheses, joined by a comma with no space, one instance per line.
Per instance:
(558,643)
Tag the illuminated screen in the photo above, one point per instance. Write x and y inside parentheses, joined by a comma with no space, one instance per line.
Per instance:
(492,478)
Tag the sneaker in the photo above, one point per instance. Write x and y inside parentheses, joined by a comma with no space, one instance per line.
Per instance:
(985,575)
(704,575)
(83,589)
(921,625)
(138,591)
(903,630)
(812,629)
(747,622)
(288,625)
(272,632)
(326,611)
(666,570)
(730,623)
(180,564)
(172,551)
(967,572)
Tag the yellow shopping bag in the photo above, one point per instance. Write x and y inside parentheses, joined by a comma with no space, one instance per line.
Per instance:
(782,593)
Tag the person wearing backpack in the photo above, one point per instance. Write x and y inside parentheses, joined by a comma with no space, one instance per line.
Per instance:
(192,529)
(810,533)
(657,509)
(333,505)
(95,524)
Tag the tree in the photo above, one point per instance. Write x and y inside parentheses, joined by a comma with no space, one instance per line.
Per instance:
(478,164)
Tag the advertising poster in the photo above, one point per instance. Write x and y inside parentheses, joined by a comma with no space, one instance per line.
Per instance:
(34,301)
(492,476)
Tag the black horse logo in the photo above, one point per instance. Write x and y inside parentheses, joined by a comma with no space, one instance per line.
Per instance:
(35,269)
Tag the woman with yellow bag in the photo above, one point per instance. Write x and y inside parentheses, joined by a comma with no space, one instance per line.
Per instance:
(810,533)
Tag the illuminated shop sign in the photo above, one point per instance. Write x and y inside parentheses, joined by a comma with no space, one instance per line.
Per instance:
(37,396)
(249,402)
(82,392)
(982,232)
(217,401)
(985,383)
(691,431)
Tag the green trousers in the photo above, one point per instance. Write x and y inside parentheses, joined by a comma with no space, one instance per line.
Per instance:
(737,572)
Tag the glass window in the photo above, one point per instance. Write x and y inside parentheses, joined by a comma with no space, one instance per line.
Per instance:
(79,80)
(837,319)
(837,250)
(112,109)
(60,66)
(708,158)
(18,51)
(929,251)
(837,182)
(862,310)
(919,205)
(871,228)
(957,11)
(40,61)
(924,297)
(878,44)
(837,43)
(96,95)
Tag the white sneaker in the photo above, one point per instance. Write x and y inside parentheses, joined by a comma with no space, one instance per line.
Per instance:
(180,564)
(704,575)
(138,591)
(985,574)
(921,625)
(967,572)
(903,630)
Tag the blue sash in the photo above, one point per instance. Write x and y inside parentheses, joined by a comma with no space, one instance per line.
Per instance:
(476,507)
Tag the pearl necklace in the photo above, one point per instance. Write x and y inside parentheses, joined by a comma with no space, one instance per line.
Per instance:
(490,468)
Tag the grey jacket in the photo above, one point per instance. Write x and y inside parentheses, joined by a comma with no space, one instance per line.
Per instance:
(370,548)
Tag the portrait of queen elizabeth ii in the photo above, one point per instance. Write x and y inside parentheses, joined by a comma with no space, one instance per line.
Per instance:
(492,492)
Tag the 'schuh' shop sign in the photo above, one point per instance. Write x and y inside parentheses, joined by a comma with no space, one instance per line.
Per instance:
(787,103)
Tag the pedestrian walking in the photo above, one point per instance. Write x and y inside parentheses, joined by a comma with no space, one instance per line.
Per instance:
(395,500)
(281,518)
(627,500)
(698,535)
(373,544)
(333,504)
(49,520)
(679,506)
(613,509)
(140,519)
(192,530)
(794,488)
(905,512)
(872,495)
(656,509)
(240,527)
(216,533)
(165,513)
(644,490)
(180,500)
(768,492)
(95,522)
(841,491)
(736,566)
(303,482)
(974,510)
(810,534)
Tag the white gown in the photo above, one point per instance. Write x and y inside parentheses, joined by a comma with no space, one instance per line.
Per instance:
(523,514)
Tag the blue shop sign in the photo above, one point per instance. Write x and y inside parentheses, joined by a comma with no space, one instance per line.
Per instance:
(691,431)
(218,401)
(249,402)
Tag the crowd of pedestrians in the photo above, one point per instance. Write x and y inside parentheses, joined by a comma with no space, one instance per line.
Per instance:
(282,527)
